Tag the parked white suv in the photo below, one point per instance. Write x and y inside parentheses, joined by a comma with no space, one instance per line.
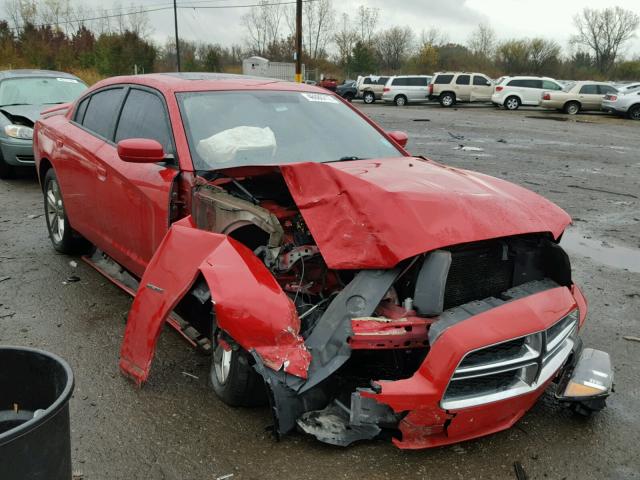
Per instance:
(451,87)
(404,89)
(515,91)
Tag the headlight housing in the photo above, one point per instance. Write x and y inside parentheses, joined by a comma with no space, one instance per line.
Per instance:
(19,131)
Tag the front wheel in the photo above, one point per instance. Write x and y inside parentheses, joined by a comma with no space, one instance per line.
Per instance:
(400,101)
(369,97)
(512,103)
(234,379)
(6,171)
(634,112)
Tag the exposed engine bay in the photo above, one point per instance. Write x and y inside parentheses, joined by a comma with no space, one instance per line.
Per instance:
(366,326)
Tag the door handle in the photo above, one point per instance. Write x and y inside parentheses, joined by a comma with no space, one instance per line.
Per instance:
(102,173)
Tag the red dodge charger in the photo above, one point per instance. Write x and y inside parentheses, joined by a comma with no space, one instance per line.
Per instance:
(360,291)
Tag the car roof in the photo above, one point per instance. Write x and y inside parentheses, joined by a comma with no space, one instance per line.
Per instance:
(28,72)
(405,76)
(531,77)
(203,81)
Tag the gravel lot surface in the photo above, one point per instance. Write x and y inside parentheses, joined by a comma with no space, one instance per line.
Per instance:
(175,428)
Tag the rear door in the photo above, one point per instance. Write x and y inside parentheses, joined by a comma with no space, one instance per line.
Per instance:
(482,89)
(419,88)
(532,91)
(590,97)
(135,197)
(549,86)
(463,87)
(85,136)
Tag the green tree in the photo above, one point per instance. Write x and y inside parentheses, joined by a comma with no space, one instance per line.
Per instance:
(364,59)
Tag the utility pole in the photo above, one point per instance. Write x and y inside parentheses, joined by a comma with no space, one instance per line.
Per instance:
(299,41)
(175,21)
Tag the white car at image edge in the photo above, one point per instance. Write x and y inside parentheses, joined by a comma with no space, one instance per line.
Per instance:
(623,104)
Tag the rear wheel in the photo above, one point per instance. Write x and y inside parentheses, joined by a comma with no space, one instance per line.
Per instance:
(6,171)
(512,103)
(447,99)
(400,100)
(234,379)
(63,237)
(634,112)
(571,108)
(369,97)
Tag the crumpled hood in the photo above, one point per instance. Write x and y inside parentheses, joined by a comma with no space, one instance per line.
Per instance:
(375,213)
(30,112)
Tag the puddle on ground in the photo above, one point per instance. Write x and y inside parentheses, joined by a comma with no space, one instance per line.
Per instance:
(575,243)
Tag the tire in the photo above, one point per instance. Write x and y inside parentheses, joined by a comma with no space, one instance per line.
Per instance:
(400,101)
(634,112)
(571,108)
(6,171)
(512,103)
(447,99)
(369,98)
(348,97)
(63,238)
(233,378)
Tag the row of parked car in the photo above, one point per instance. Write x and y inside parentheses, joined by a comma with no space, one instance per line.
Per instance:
(450,88)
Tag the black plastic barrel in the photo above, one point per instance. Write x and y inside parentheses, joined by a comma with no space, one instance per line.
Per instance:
(35,439)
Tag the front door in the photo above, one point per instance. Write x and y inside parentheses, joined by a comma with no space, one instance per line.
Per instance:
(482,89)
(135,197)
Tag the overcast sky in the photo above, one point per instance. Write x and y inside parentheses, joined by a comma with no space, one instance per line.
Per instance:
(509,18)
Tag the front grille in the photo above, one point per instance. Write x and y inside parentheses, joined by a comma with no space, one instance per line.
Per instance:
(510,368)
(478,273)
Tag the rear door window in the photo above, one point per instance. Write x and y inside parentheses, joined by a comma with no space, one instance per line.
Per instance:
(443,79)
(418,81)
(102,112)
(144,116)
(516,83)
(535,84)
(367,81)
(463,80)
(383,80)
(589,89)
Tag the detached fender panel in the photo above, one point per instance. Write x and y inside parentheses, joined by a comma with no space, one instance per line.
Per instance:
(249,304)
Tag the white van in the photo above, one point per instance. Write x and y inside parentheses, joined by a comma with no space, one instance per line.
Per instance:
(404,89)
(512,92)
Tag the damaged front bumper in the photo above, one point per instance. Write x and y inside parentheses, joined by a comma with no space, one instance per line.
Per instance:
(473,382)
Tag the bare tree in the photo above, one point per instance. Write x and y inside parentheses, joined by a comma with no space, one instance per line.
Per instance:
(483,41)
(138,21)
(262,25)
(394,45)
(543,55)
(21,12)
(432,37)
(605,32)
(345,38)
(367,22)
(319,17)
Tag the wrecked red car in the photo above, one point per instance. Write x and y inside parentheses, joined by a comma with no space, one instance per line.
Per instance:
(360,291)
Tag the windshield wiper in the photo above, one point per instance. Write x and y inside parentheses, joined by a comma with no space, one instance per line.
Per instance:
(14,104)
(346,158)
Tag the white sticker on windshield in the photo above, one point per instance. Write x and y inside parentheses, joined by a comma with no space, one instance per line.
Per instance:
(68,80)
(319,97)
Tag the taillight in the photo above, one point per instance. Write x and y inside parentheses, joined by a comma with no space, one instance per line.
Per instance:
(613,98)
(430,88)
(499,89)
(546,96)
(386,89)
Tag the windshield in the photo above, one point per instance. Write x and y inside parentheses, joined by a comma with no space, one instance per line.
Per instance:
(236,128)
(39,90)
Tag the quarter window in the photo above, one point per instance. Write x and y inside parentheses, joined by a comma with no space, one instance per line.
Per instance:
(463,80)
(102,111)
(80,111)
(144,116)
(400,82)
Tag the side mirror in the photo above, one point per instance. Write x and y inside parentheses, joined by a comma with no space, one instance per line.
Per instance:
(489,84)
(140,150)
(401,138)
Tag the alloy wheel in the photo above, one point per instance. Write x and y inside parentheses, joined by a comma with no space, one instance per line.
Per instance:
(55,211)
